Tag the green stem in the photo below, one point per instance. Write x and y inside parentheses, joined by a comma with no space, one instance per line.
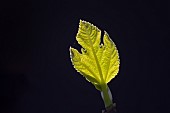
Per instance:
(105,95)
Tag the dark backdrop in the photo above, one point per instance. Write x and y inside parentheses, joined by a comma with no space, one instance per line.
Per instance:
(36,75)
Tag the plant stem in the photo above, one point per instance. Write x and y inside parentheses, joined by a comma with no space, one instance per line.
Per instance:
(111,109)
(105,95)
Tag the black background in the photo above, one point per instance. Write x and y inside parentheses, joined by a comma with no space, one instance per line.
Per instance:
(36,75)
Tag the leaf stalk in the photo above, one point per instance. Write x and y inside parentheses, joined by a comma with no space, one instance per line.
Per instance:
(105,95)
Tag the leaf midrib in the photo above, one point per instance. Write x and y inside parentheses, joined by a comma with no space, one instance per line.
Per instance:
(97,62)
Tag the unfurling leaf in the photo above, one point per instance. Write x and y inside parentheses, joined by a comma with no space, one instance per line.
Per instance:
(98,63)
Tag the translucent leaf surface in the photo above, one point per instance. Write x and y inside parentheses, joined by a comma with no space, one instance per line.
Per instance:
(98,63)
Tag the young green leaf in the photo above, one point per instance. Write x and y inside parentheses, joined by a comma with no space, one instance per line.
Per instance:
(98,63)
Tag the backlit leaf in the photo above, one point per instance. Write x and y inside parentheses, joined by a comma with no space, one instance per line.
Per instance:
(98,63)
